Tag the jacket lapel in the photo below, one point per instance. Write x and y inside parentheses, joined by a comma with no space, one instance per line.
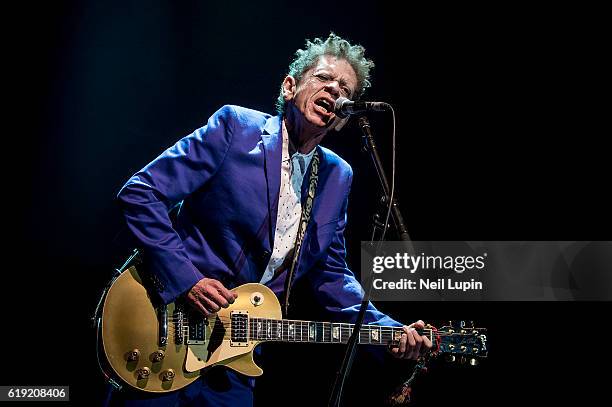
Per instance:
(273,149)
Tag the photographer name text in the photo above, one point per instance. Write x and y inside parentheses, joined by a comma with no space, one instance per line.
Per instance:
(427,284)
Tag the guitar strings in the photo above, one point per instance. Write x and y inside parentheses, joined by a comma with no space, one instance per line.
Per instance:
(287,321)
(285,334)
(227,337)
(326,326)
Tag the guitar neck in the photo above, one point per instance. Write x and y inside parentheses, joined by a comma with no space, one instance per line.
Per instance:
(286,330)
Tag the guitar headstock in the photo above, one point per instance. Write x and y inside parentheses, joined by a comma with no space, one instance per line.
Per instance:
(462,341)
(458,341)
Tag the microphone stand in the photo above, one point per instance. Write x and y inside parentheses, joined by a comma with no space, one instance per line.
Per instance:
(369,145)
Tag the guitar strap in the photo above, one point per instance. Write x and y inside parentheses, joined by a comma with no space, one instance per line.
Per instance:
(304,219)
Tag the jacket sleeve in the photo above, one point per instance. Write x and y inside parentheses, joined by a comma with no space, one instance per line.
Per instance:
(149,194)
(335,284)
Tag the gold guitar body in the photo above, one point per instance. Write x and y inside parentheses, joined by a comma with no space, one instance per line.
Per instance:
(131,336)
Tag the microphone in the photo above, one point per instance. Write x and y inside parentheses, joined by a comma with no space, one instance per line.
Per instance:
(345,107)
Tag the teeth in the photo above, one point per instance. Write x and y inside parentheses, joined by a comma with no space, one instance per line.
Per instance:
(325,104)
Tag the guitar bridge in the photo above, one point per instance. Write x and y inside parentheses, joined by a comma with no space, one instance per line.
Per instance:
(179,325)
(239,328)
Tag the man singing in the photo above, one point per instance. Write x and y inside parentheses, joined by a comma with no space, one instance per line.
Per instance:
(244,181)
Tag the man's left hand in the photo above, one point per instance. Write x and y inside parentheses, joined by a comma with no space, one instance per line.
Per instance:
(412,345)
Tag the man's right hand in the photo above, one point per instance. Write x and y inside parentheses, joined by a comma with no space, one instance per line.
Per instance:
(209,295)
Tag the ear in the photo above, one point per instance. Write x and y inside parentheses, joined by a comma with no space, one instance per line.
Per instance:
(289,85)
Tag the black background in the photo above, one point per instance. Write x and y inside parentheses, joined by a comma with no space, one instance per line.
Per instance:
(500,136)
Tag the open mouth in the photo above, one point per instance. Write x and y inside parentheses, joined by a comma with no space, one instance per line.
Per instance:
(326,106)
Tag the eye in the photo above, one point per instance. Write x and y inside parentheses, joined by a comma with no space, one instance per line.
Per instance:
(322,77)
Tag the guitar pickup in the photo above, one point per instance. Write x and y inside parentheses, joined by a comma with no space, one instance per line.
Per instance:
(239,328)
(196,330)
(179,327)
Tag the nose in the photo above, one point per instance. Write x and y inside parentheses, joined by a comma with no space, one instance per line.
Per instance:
(333,88)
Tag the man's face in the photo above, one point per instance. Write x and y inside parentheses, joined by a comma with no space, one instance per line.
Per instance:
(319,88)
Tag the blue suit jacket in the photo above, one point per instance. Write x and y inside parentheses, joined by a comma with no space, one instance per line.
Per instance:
(227,174)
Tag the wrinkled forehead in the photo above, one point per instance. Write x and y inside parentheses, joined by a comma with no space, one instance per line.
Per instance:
(340,68)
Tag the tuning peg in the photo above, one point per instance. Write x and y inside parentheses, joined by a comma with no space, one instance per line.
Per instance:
(462,360)
(474,362)
(450,358)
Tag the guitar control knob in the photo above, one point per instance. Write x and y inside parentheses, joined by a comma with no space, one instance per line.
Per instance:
(168,375)
(143,373)
(157,356)
(133,355)
(257,298)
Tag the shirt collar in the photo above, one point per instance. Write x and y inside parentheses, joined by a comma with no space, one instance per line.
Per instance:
(307,157)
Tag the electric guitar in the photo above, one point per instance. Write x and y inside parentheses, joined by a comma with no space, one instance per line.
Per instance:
(162,349)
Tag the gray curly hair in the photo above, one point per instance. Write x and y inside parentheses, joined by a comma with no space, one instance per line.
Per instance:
(333,46)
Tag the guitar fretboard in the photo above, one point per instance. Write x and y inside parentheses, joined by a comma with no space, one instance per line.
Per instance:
(285,330)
